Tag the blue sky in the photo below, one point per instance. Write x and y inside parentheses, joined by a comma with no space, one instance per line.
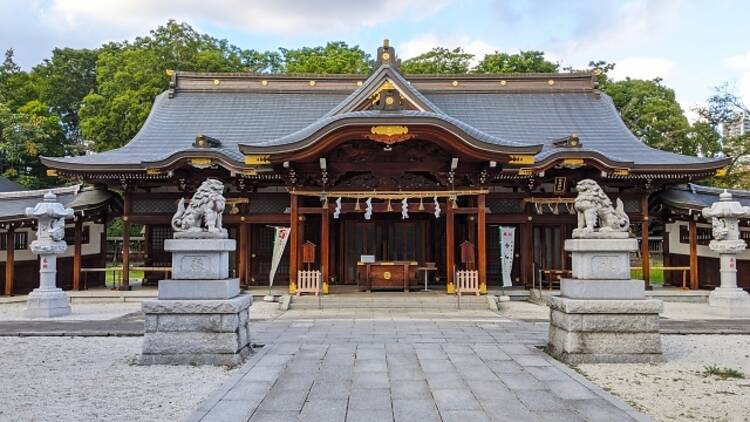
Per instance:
(693,45)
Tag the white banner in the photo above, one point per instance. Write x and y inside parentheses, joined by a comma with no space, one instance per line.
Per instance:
(279,244)
(507,242)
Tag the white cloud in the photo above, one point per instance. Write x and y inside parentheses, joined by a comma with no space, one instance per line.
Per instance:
(427,41)
(279,16)
(642,68)
(741,63)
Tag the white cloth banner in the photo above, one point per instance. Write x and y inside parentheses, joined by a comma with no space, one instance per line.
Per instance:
(279,244)
(507,242)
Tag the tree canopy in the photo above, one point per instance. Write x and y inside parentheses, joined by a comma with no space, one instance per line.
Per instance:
(334,57)
(522,62)
(439,60)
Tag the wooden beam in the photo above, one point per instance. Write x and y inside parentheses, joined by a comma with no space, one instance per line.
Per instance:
(293,243)
(482,243)
(325,247)
(450,251)
(693,239)
(10,242)
(77,240)
(645,257)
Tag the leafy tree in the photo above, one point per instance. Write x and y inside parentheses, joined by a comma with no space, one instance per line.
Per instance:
(129,76)
(24,136)
(63,81)
(335,57)
(439,60)
(16,86)
(522,62)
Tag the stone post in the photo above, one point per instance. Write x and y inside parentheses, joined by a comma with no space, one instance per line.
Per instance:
(725,216)
(48,300)
(200,317)
(601,314)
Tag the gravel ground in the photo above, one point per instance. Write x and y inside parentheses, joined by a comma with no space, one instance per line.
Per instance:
(93,311)
(87,379)
(676,390)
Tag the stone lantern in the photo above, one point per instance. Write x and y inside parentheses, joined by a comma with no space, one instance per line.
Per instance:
(725,216)
(47,300)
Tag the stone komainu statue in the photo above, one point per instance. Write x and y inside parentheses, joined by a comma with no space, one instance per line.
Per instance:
(202,216)
(595,210)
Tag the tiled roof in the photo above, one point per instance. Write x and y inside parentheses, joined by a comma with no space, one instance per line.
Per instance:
(696,197)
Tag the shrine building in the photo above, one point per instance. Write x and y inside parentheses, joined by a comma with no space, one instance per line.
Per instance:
(391,171)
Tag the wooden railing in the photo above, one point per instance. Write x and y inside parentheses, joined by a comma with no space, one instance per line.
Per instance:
(308,282)
(467,281)
(685,271)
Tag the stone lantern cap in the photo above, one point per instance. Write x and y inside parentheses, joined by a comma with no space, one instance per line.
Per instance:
(49,208)
(726,208)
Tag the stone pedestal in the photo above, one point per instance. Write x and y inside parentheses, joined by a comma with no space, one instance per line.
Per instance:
(196,332)
(47,300)
(602,315)
(196,259)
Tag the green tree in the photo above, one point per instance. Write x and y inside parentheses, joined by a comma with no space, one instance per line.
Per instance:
(16,86)
(522,62)
(129,75)
(63,81)
(439,60)
(333,58)
(26,134)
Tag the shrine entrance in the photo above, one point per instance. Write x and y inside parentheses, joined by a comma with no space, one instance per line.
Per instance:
(388,238)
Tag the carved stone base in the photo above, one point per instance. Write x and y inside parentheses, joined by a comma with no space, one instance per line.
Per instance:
(604,331)
(199,289)
(196,332)
(735,302)
(599,259)
(47,303)
(200,259)
(602,289)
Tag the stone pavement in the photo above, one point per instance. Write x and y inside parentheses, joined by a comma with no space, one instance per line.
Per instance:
(461,367)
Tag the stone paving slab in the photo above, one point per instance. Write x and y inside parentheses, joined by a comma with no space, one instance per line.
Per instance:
(455,369)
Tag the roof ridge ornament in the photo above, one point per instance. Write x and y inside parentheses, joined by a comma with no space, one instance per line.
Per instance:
(387,55)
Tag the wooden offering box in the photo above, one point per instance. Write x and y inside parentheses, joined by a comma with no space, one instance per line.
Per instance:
(392,275)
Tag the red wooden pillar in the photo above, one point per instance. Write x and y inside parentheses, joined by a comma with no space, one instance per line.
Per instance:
(125,282)
(450,245)
(10,242)
(325,247)
(482,242)
(645,257)
(693,239)
(526,252)
(242,252)
(293,243)
(77,240)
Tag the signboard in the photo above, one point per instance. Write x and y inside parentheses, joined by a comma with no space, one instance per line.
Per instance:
(560,184)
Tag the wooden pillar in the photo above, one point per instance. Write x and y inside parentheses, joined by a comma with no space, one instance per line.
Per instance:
(645,257)
(693,239)
(450,244)
(293,243)
(242,252)
(325,247)
(125,282)
(482,243)
(527,253)
(10,259)
(77,240)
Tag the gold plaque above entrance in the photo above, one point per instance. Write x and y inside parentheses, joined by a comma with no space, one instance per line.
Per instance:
(389,134)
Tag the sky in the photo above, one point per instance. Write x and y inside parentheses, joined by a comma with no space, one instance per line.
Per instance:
(693,45)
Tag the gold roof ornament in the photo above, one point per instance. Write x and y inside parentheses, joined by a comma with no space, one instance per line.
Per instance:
(551,82)
(216,82)
(169,72)
(389,130)
(264,82)
(454,83)
(312,83)
(503,82)
(521,159)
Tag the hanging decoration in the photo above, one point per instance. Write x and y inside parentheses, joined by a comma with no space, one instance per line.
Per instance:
(368,209)
(356,206)
(437,207)
(507,243)
(421,204)
(388,207)
(337,211)
(404,209)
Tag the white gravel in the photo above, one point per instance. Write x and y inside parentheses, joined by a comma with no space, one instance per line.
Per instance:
(92,379)
(94,311)
(676,390)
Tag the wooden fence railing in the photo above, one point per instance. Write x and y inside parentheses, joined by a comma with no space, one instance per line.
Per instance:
(308,282)
(467,281)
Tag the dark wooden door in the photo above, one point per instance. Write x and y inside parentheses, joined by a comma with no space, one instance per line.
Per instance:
(259,256)
(549,253)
